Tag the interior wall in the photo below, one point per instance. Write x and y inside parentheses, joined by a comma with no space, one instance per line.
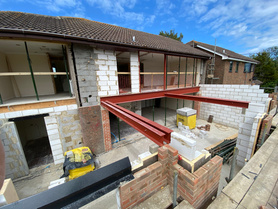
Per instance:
(6,87)
(31,129)
(172,103)
(40,63)
(153,63)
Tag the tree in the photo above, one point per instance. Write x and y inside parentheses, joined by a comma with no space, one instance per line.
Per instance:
(267,70)
(172,35)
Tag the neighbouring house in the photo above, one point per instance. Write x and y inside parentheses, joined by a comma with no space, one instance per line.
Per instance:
(55,70)
(227,67)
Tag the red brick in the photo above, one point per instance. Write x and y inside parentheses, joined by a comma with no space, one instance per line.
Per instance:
(172,151)
(106,130)
(217,160)
(162,157)
(189,177)
(163,151)
(157,166)
(91,126)
(202,174)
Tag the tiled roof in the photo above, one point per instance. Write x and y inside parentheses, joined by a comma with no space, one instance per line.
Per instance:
(222,51)
(80,28)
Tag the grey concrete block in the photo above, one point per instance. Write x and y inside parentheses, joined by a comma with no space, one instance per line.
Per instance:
(153,148)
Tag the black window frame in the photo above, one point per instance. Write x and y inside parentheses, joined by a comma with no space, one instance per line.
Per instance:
(231,67)
(237,65)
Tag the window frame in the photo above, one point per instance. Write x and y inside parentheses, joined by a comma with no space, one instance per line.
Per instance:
(231,67)
(237,65)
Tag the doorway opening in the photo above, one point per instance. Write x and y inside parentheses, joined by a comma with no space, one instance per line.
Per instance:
(34,139)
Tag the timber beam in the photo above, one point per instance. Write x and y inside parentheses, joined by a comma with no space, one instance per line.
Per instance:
(157,133)
(228,102)
(148,95)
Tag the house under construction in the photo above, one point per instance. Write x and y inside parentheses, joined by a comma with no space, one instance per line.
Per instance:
(68,82)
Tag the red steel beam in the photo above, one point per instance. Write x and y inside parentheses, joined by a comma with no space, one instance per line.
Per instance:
(139,123)
(147,95)
(228,102)
(146,120)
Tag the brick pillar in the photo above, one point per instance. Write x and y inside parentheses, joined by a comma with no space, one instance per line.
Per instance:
(91,125)
(197,105)
(106,130)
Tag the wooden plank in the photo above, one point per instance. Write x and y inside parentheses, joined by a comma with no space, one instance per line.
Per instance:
(257,134)
(123,73)
(35,73)
(37,105)
(162,73)
(9,192)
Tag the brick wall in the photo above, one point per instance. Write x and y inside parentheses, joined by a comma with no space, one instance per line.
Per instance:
(92,129)
(197,188)
(236,78)
(227,115)
(106,130)
(145,183)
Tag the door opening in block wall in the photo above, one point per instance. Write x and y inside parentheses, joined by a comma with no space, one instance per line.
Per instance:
(123,67)
(34,139)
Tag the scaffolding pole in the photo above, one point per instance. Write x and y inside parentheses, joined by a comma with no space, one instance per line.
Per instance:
(31,71)
(66,68)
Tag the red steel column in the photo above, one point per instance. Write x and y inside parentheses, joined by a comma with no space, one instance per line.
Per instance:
(164,86)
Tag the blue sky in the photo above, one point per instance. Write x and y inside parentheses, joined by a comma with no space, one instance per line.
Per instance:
(244,26)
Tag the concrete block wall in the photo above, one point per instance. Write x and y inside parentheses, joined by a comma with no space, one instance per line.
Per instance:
(227,115)
(134,72)
(106,72)
(62,125)
(96,72)
(86,74)
(248,132)
(15,162)
(197,188)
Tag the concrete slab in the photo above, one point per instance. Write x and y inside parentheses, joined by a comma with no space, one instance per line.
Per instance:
(184,205)
(160,200)
(131,150)
(223,201)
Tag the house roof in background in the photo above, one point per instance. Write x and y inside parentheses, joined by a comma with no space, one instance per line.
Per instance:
(73,28)
(225,53)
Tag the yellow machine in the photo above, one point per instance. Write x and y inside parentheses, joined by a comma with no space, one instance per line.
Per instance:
(187,120)
(187,117)
(80,161)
